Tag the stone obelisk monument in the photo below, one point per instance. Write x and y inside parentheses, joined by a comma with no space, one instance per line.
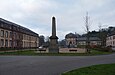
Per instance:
(53,48)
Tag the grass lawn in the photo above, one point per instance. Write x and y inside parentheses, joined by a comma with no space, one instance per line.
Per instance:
(32,52)
(103,69)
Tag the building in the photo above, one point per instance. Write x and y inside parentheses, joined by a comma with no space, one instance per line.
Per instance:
(71,40)
(94,41)
(110,41)
(15,36)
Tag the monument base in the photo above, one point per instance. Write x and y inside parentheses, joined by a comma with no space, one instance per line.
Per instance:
(53,50)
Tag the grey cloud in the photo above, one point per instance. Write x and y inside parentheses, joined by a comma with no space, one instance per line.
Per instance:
(36,14)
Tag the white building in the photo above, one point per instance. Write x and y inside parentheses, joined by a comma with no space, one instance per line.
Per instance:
(71,40)
(110,41)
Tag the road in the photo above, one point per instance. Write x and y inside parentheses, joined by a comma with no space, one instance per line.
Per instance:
(48,65)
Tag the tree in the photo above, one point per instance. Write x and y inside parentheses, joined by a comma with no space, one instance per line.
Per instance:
(102,35)
(47,39)
(87,27)
(46,44)
(41,40)
(62,43)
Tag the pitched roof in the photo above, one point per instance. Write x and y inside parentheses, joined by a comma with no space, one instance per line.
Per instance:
(70,35)
(25,30)
(91,39)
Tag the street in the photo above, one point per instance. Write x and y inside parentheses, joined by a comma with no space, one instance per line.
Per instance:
(48,65)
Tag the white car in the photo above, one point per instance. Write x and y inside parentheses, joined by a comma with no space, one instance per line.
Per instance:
(40,47)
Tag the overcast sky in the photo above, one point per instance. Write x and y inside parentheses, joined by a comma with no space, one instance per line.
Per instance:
(70,14)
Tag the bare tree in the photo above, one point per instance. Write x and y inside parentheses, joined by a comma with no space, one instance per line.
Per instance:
(87,27)
(100,26)
(41,40)
(102,34)
(47,39)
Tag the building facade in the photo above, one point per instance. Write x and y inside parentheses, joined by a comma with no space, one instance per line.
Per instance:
(94,41)
(15,36)
(110,41)
(71,40)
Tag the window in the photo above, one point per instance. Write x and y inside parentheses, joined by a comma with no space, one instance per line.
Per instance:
(2,43)
(10,43)
(10,35)
(10,27)
(15,43)
(2,25)
(110,37)
(113,42)
(14,35)
(2,33)
(6,43)
(6,34)
(114,37)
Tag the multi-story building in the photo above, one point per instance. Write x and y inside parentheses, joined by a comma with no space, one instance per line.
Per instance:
(110,41)
(75,40)
(15,36)
(71,40)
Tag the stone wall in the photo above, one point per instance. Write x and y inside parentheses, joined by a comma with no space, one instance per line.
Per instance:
(72,50)
(64,50)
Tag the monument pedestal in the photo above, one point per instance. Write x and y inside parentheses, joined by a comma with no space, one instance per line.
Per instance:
(53,48)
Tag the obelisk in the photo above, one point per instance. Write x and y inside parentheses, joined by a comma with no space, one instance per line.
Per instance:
(53,48)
